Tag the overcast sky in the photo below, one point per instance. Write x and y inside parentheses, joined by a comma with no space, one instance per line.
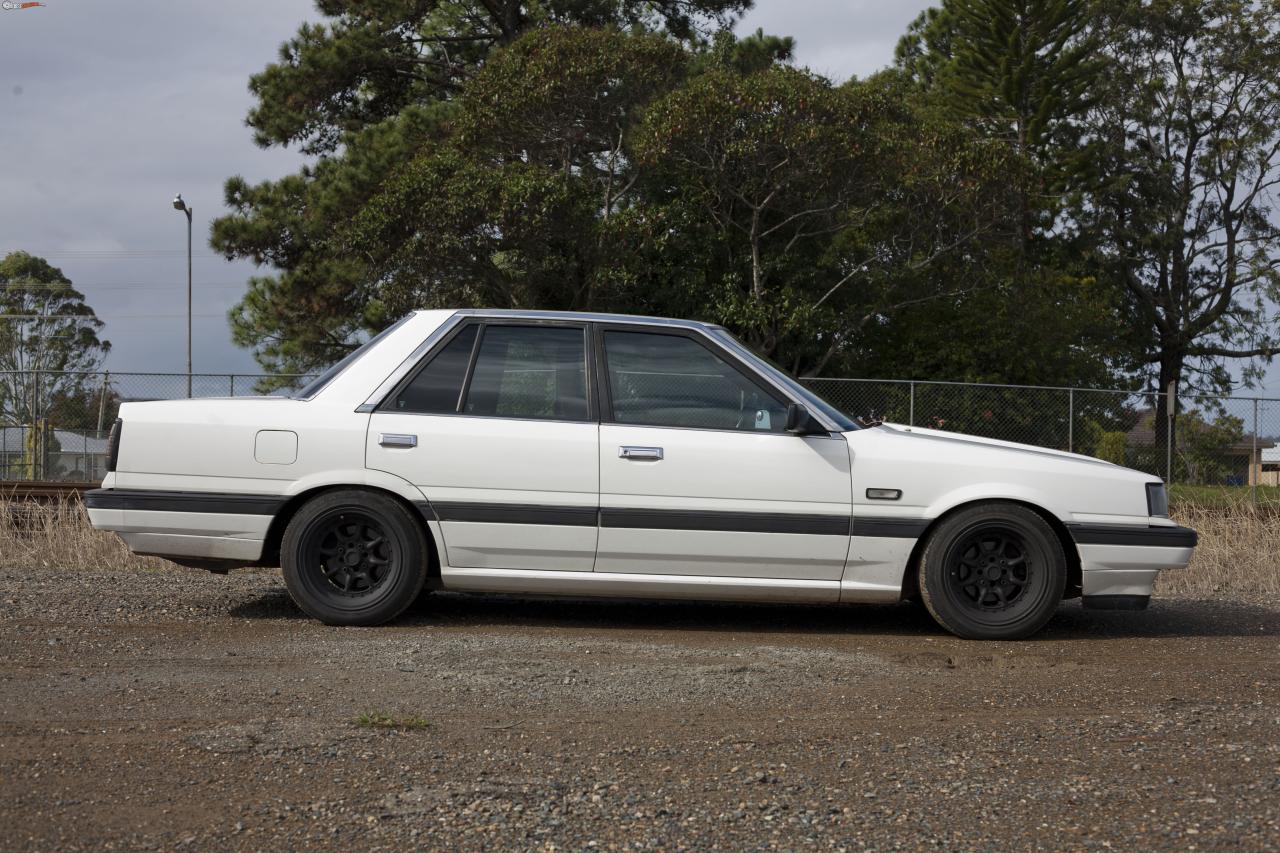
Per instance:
(109,108)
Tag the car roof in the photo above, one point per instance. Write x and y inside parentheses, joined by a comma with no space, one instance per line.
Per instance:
(583,316)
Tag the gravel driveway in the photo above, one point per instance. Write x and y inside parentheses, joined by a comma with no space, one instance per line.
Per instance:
(173,708)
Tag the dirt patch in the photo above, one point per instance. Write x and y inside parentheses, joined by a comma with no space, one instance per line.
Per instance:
(161,708)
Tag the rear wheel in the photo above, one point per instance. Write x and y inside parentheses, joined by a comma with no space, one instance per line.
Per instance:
(993,572)
(354,557)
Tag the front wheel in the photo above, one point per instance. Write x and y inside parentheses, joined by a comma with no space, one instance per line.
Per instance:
(993,572)
(354,557)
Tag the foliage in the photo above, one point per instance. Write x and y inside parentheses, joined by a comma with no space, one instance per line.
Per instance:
(1024,72)
(368,91)
(1188,132)
(1072,192)
(820,210)
(512,213)
(1111,447)
(1203,450)
(52,334)
(49,341)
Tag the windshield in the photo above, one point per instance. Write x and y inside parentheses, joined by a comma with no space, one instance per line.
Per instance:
(812,400)
(315,386)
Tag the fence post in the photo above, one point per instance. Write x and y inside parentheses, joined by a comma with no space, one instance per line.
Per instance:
(911,409)
(1171,403)
(233,385)
(1255,465)
(102,401)
(1071,420)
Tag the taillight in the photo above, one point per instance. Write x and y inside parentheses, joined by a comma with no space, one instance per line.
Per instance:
(113,444)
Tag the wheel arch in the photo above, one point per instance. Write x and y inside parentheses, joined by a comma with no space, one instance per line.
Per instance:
(295,502)
(911,577)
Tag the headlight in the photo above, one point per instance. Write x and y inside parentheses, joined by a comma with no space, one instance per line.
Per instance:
(1157,500)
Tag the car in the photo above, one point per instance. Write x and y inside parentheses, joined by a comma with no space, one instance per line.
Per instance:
(610,455)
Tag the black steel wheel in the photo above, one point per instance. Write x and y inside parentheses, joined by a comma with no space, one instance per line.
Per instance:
(354,557)
(993,571)
(353,552)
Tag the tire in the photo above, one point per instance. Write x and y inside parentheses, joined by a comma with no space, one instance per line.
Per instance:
(993,572)
(354,557)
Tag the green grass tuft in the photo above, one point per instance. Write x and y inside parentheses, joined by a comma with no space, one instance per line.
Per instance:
(383,720)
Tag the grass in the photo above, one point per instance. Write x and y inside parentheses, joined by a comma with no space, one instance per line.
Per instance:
(1223,496)
(57,535)
(383,720)
(1238,556)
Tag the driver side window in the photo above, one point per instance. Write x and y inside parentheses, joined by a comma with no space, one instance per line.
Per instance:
(674,381)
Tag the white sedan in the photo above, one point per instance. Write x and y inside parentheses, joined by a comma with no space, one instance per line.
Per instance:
(587,454)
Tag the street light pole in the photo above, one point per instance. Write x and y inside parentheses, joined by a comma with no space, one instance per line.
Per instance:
(179,204)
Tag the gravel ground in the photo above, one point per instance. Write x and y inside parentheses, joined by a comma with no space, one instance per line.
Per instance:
(174,708)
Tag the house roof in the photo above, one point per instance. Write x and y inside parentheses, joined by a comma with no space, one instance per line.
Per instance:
(1144,435)
(13,439)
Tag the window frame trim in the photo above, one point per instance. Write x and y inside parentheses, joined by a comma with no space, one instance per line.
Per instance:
(589,369)
(706,342)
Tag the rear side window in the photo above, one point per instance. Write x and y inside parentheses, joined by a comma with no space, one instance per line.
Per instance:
(437,388)
(530,372)
(674,381)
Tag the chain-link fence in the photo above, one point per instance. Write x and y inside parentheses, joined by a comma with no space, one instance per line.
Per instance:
(54,425)
(1217,441)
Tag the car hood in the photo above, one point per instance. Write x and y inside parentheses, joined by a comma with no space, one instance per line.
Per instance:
(936,470)
(937,437)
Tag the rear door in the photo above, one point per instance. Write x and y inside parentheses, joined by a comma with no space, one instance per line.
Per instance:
(698,475)
(498,429)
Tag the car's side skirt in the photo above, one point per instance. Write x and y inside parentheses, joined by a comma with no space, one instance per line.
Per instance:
(617,584)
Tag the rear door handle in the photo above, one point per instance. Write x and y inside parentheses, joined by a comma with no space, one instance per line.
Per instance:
(653,453)
(397,439)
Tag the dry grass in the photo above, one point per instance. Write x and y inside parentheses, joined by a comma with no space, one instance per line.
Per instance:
(57,535)
(1238,557)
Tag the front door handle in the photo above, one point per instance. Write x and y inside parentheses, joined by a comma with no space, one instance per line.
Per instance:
(652,453)
(397,439)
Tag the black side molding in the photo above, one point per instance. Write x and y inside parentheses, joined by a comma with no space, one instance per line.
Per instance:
(1115,602)
(569,516)
(164,501)
(1140,535)
(890,528)
(736,522)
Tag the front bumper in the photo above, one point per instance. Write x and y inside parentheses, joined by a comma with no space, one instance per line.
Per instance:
(1119,564)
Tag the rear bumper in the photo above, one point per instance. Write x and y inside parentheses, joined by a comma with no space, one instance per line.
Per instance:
(196,525)
(1119,565)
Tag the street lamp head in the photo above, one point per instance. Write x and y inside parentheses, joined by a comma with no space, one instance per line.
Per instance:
(178,203)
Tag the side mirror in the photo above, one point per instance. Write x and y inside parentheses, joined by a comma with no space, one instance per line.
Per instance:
(800,422)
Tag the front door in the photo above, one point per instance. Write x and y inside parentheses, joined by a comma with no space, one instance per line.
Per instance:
(698,475)
(497,430)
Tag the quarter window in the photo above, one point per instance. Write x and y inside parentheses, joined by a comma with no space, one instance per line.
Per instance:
(437,388)
(672,380)
(530,372)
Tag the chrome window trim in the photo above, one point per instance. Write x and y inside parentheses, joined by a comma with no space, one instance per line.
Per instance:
(580,317)
(738,355)
(743,360)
